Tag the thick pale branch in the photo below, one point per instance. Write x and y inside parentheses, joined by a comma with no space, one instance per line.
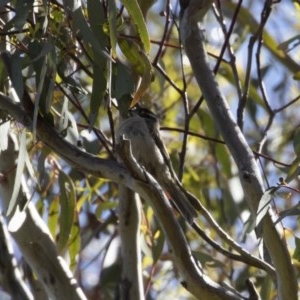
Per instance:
(11,277)
(129,230)
(192,37)
(193,278)
(105,168)
(145,185)
(34,239)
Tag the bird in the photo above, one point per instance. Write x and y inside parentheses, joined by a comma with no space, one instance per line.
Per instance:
(142,129)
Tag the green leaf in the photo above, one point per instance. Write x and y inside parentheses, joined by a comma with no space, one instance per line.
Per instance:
(97,18)
(145,5)
(98,92)
(30,168)
(16,74)
(22,9)
(293,211)
(290,43)
(224,158)
(38,50)
(19,172)
(112,22)
(4,131)
(296,142)
(85,31)
(140,63)
(207,122)
(139,21)
(53,215)
(64,120)
(38,95)
(43,58)
(17,219)
(296,254)
(122,87)
(293,171)
(263,205)
(205,258)
(245,19)
(74,242)
(157,248)
(67,208)
(104,207)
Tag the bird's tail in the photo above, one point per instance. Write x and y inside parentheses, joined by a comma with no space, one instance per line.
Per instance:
(184,202)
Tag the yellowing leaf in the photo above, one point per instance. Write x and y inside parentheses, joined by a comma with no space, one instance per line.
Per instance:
(138,19)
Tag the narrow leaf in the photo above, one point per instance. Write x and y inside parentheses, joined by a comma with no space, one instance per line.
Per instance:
(85,32)
(74,242)
(294,211)
(296,142)
(22,9)
(263,205)
(293,171)
(19,172)
(141,65)
(17,219)
(139,21)
(53,216)
(296,254)
(16,74)
(112,21)
(97,18)
(158,246)
(4,131)
(98,92)
(67,207)
(38,95)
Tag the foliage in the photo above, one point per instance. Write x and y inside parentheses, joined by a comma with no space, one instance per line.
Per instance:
(83,64)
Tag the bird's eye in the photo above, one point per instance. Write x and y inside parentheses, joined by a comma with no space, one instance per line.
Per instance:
(143,113)
(146,113)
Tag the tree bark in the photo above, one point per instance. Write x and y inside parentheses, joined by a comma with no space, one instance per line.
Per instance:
(192,37)
(34,239)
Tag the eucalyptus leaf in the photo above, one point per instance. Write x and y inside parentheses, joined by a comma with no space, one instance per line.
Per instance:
(296,254)
(53,214)
(140,63)
(293,211)
(74,242)
(97,18)
(112,21)
(86,33)
(293,170)
(4,131)
(22,9)
(139,21)
(264,205)
(16,72)
(157,249)
(19,172)
(67,208)
(296,142)
(17,219)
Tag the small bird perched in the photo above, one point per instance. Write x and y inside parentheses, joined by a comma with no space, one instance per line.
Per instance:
(142,129)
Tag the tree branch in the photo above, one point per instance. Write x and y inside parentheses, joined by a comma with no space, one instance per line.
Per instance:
(193,278)
(145,185)
(191,30)
(11,278)
(34,239)
(131,286)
